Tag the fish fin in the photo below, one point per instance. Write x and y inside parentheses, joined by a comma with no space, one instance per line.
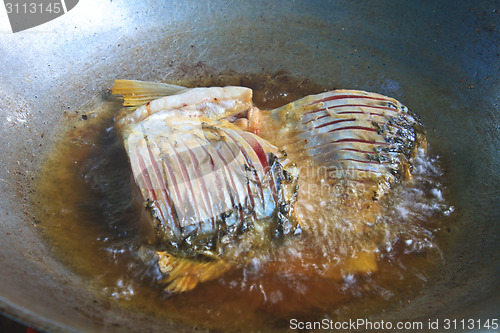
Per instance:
(184,274)
(357,139)
(136,93)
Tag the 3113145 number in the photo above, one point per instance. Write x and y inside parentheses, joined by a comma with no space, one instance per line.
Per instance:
(33,8)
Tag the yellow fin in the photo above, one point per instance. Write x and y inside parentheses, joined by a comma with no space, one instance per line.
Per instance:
(184,274)
(136,93)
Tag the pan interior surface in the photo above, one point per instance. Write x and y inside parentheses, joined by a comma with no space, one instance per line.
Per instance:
(440,60)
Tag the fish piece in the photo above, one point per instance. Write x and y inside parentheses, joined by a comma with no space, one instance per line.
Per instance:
(205,181)
(355,136)
(351,147)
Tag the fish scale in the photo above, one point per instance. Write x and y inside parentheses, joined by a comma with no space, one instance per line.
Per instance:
(183,178)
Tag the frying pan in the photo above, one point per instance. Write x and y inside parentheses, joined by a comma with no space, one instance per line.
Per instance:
(441,58)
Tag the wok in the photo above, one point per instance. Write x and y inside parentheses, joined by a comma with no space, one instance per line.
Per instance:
(441,58)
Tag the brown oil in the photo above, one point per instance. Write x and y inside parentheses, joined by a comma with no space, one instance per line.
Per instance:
(87,213)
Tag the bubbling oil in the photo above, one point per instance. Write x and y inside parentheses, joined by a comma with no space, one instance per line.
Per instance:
(363,260)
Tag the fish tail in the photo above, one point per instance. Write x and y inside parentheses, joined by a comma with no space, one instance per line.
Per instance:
(184,274)
(136,93)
